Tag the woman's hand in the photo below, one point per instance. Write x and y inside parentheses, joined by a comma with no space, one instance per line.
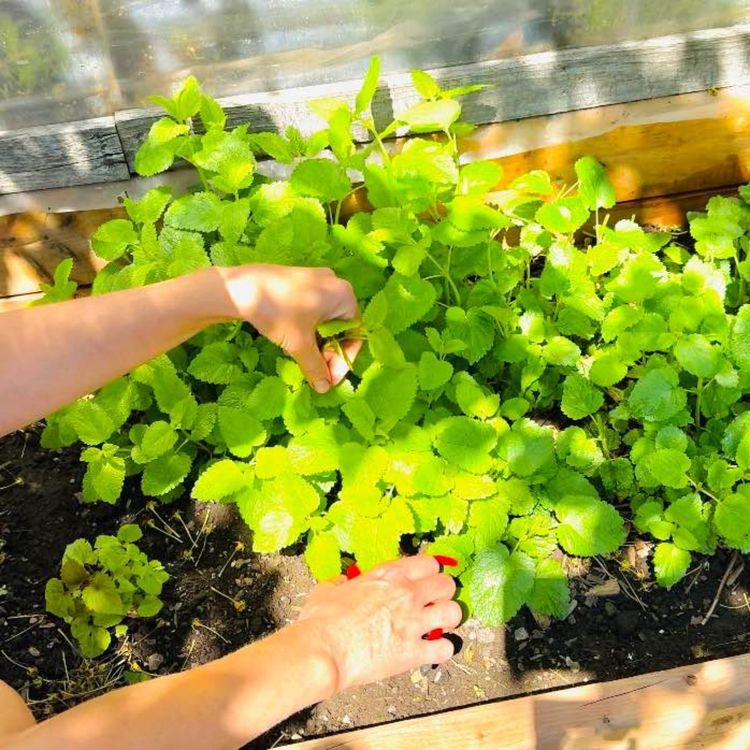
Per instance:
(285,304)
(372,626)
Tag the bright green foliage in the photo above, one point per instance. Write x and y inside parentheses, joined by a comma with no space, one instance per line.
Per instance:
(100,586)
(513,387)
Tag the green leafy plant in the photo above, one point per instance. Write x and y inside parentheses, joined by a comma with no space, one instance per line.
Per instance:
(100,586)
(520,389)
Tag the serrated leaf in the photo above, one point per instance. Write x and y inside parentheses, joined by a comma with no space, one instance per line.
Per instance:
(165,473)
(217,363)
(588,526)
(240,430)
(323,556)
(320,178)
(657,396)
(526,447)
(157,439)
(740,339)
(389,392)
(406,299)
(220,481)
(369,85)
(563,216)
(670,564)
(580,397)
(129,532)
(732,519)
(594,185)
(499,584)
(669,467)
(198,212)
(113,238)
(698,356)
(465,442)
(433,373)
(429,116)
(550,594)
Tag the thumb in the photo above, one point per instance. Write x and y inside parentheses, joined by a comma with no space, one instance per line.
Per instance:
(309,358)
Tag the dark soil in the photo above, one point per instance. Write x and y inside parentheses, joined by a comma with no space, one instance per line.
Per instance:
(221,597)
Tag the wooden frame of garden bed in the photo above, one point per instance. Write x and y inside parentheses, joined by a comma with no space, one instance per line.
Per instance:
(699,707)
(102,149)
(665,156)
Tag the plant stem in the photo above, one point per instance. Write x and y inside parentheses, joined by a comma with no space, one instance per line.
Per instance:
(699,393)
(602,432)
(445,273)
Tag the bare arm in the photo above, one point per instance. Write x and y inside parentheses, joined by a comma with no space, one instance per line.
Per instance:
(349,633)
(56,353)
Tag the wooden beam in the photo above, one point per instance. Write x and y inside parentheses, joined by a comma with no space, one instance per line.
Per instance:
(73,153)
(665,157)
(33,244)
(703,706)
(519,87)
(666,146)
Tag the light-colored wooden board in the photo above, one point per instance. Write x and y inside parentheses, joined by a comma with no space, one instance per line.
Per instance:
(539,84)
(704,706)
(73,153)
(662,147)
(33,244)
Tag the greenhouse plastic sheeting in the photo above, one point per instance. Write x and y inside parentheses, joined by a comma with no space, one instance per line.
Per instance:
(63,60)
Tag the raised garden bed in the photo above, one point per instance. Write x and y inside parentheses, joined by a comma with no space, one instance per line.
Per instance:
(605,637)
(617,623)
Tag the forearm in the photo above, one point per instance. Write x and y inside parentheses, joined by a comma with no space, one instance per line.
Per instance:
(221,705)
(53,354)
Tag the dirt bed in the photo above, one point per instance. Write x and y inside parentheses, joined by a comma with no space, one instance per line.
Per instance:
(221,596)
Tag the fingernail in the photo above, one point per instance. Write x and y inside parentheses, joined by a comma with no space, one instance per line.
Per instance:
(434,635)
(322,386)
(353,571)
(446,560)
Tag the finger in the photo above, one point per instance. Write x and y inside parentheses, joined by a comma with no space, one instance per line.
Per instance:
(445,615)
(343,301)
(435,588)
(308,357)
(338,365)
(413,568)
(435,652)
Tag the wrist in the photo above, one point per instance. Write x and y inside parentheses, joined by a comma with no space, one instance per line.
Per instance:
(308,638)
(218,290)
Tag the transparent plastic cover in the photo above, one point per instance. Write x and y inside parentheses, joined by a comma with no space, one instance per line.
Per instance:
(63,60)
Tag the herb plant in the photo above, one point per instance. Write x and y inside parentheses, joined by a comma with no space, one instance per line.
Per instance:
(522,392)
(100,586)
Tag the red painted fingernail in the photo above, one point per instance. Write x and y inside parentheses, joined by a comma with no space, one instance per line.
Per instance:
(446,560)
(435,634)
(353,571)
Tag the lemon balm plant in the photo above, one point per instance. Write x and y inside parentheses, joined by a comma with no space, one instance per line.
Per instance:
(519,397)
(101,585)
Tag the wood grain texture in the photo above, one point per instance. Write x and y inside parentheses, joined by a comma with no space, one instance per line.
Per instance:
(540,84)
(704,706)
(33,244)
(661,147)
(73,153)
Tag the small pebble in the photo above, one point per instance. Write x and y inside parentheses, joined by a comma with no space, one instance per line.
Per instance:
(521,634)
(34,651)
(154,662)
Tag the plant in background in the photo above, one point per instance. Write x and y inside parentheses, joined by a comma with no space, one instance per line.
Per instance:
(518,390)
(100,586)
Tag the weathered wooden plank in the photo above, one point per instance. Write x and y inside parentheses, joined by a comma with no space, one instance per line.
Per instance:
(73,153)
(33,244)
(695,707)
(520,87)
